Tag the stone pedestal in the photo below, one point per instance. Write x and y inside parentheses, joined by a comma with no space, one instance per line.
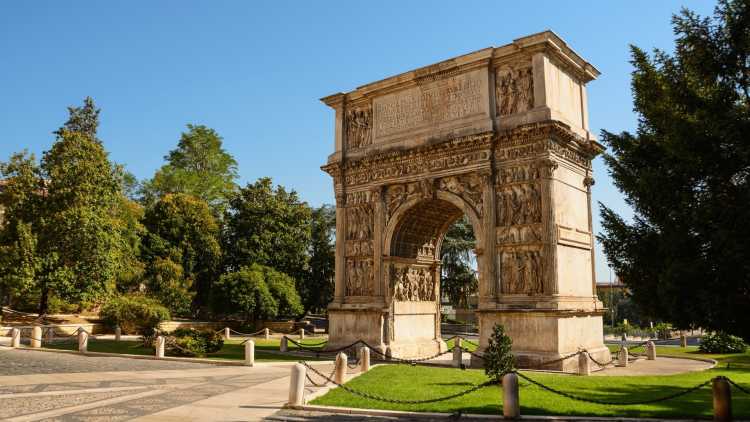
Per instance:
(36,337)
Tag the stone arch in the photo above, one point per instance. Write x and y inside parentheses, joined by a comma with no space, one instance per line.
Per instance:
(411,210)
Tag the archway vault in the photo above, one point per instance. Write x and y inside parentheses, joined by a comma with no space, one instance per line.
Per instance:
(501,136)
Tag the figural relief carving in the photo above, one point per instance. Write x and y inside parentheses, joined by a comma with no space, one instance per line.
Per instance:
(467,186)
(514,90)
(359,277)
(522,272)
(359,222)
(519,204)
(359,126)
(412,283)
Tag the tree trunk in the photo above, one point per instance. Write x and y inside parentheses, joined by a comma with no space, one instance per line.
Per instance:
(44,301)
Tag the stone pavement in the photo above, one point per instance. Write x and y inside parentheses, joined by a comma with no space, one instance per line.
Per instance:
(44,386)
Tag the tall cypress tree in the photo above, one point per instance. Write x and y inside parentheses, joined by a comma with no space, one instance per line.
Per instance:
(686,174)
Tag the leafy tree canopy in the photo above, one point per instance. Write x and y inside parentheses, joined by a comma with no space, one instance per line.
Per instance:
(458,280)
(268,226)
(318,286)
(199,166)
(181,250)
(686,174)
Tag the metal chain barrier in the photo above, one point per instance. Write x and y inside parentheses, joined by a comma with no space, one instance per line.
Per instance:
(244,334)
(611,403)
(602,364)
(398,401)
(405,361)
(326,380)
(737,386)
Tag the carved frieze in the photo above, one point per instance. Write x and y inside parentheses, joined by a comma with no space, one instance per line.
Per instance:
(519,204)
(412,283)
(359,222)
(359,126)
(521,272)
(359,248)
(513,235)
(359,277)
(397,194)
(514,89)
(467,186)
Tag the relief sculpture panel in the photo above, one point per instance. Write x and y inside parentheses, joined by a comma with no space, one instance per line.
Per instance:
(467,186)
(519,204)
(412,283)
(359,277)
(522,272)
(514,89)
(359,127)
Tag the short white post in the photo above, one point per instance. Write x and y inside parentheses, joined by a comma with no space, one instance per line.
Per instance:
(227,334)
(650,350)
(266,333)
(36,336)
(457,356)
(683,340)
(249,353)
(340,374)
(301,333)
(297,385)
(365,359)
(283,346)
(118,333)
(511,405)
(160,340)
(83,340)
(584,366)
(15,337)
(622,357)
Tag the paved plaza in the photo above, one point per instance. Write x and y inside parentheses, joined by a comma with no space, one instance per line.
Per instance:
(43,386)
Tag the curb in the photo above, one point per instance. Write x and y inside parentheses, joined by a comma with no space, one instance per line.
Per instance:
(452,416)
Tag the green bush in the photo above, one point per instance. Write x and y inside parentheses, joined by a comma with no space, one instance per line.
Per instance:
(190,342)
(722,343)
(135,314)
(498,359)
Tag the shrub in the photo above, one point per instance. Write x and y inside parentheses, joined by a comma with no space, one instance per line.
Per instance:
(134,314)
(498,359)
(664,330)
(722,343)
(190,342)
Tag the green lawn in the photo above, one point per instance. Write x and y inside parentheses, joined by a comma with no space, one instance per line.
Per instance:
(233,349)
(420,382)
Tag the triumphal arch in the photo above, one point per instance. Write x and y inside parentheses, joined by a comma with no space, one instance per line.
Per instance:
(500,135)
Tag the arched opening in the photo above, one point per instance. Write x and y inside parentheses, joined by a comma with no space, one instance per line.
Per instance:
(414,240)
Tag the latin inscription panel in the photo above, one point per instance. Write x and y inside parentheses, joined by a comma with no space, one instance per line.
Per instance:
(430,104)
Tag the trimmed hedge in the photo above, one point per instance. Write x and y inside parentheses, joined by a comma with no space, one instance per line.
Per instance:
(135,314)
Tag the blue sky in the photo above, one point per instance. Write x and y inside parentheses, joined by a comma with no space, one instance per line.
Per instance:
(254,71)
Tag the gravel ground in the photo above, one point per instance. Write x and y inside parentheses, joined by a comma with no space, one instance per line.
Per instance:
(24,362)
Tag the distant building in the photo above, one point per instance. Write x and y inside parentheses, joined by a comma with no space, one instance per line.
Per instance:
(615,286)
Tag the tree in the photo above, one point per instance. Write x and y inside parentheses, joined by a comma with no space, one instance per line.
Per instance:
(498,358)
(199,166)
(318,285)
(257,292)
(79,240)
(83,120)
(181,250)
(267,226)
(686,174)
(458,280)
(20,199)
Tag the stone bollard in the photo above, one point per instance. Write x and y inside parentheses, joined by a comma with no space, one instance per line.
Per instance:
(340,374)
(160,340)
(622,357)
(249,353)
(283,346)
(365,359)
(297,385)
(457,356)
(683,341)
(36,336)
(266,333)
(584,365)
(722,393)
(650,350)
(511,405)
(83,340)
(15,337)
(118,333)
(301,333)
(227,334)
